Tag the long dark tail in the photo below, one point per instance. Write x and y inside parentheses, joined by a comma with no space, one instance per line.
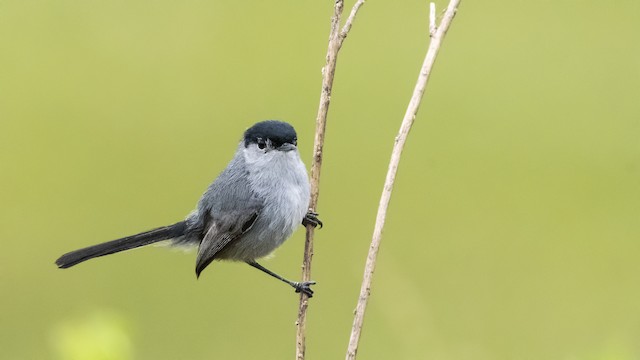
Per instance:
(130,242)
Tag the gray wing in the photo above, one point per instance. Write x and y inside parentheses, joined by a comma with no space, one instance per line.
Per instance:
(221,233)
(228,209)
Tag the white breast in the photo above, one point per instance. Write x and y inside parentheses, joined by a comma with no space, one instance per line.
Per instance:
(280,178)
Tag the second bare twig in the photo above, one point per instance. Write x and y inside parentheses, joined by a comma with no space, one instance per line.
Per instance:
(437,34)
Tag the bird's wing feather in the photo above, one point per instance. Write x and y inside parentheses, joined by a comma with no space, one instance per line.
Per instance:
(228,210)
(221,233)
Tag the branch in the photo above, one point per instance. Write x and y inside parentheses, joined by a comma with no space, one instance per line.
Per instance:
(432,19)
(349,22)
(437,35)
(336,38)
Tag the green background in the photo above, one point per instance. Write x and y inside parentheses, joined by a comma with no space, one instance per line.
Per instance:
(513,232)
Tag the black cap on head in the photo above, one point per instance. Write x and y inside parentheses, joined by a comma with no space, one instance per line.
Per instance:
(279,132)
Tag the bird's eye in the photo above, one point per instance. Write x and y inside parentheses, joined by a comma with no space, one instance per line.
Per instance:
(262,144)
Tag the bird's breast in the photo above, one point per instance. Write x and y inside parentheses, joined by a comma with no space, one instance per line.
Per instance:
(284,188)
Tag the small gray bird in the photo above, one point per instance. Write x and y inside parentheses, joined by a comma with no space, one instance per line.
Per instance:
(253,206)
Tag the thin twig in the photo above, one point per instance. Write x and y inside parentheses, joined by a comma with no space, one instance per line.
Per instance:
(432,19)
(400,140)
(349,22)
(336,38)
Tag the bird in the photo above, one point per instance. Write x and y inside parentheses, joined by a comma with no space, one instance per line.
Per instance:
(247,212)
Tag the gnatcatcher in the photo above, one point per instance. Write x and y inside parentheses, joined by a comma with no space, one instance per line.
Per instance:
(253,206)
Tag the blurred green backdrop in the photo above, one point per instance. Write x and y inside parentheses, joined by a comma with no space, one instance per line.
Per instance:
(513,231)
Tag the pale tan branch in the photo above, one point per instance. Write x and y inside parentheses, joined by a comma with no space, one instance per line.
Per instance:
(336,38)
(347,25)
(432,19)
(405,127)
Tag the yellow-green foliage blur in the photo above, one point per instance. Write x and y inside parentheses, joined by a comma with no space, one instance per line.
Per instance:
(513,232)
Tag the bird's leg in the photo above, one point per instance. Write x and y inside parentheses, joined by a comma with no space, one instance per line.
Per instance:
(311,219)
(299,286)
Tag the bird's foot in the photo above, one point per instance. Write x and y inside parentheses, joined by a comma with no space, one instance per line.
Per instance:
(304,287)
(312,219)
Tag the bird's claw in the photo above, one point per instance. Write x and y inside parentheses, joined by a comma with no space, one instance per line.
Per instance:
(304,287)
(312,219)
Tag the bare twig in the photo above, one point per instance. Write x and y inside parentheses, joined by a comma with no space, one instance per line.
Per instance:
(436,38)
(432,19)
(336,38)
(349,22)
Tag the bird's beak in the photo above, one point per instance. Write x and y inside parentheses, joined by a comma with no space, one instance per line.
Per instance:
(287,147)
